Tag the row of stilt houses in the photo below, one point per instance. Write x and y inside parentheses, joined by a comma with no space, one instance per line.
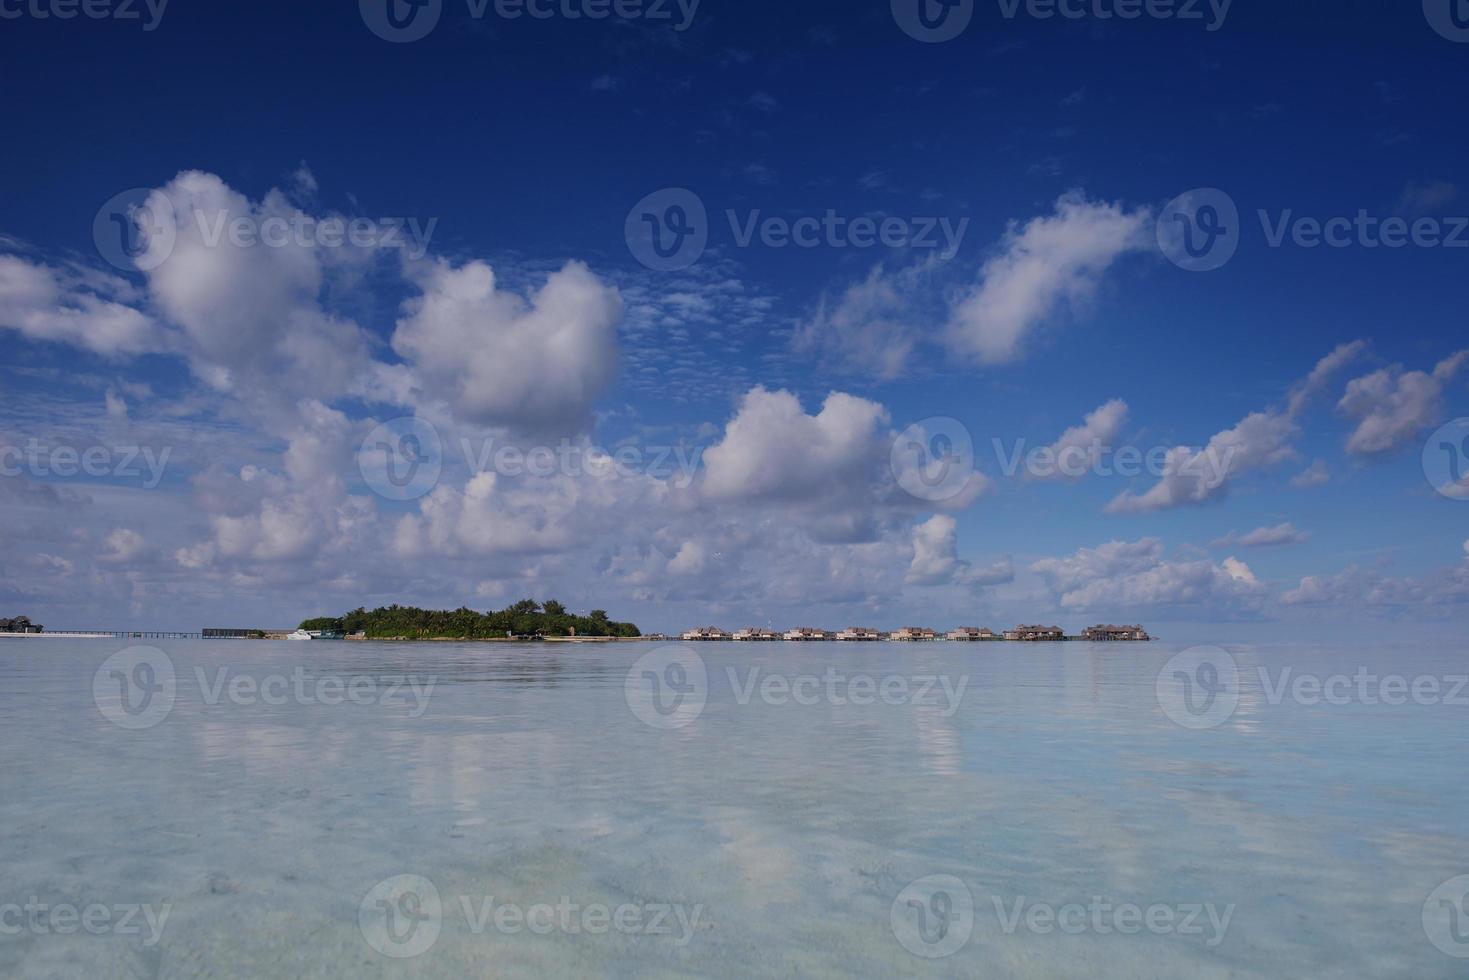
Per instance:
(919,634)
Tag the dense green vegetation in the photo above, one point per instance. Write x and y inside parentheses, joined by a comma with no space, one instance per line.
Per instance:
(526,618)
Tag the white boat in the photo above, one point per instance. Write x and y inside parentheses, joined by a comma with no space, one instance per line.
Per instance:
(300,635)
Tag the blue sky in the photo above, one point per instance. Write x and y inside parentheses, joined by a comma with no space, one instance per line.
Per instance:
(1022,167)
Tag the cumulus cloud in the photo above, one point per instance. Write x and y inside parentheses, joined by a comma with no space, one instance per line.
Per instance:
(501,360)
(251,312)
(936,558)
(1264,537)
(1392,407)
(1081,447)
(1262,439)
(124,545)
(1357,587)
(772,449)
(1123,574)
(68,305)
(1052,262)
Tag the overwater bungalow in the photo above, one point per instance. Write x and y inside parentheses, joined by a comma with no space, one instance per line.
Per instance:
(705,634)
(1115,634)
(971,634)
(755,635)
(806,634)
(859,633)
(1036,634)
(914,634)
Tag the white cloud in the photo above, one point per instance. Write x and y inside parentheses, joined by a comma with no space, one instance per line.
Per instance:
(1081,447)
(773,450)
(1262,439)
(498,360)
(1315,475)
(72,306)
(1198,476)
(1392,407)
(867,329)
(1053,261)
(936,558)
(1264,537)
(1123,574)
(251,311)
(1355,587)
(123,545)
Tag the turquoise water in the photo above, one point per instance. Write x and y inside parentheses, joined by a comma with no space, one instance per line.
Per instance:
(272,834)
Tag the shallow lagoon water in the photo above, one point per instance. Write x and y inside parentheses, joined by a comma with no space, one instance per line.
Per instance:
(783,838)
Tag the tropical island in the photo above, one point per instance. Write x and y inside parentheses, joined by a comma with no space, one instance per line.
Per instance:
(20,624)
(526,619)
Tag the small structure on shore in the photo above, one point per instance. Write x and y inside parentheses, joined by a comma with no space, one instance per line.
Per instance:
(971,634)
(1036,634)
(914,634)
(755,634)
(1115,634)
(20,624)
(860,634)
(705,634)
(806,634)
